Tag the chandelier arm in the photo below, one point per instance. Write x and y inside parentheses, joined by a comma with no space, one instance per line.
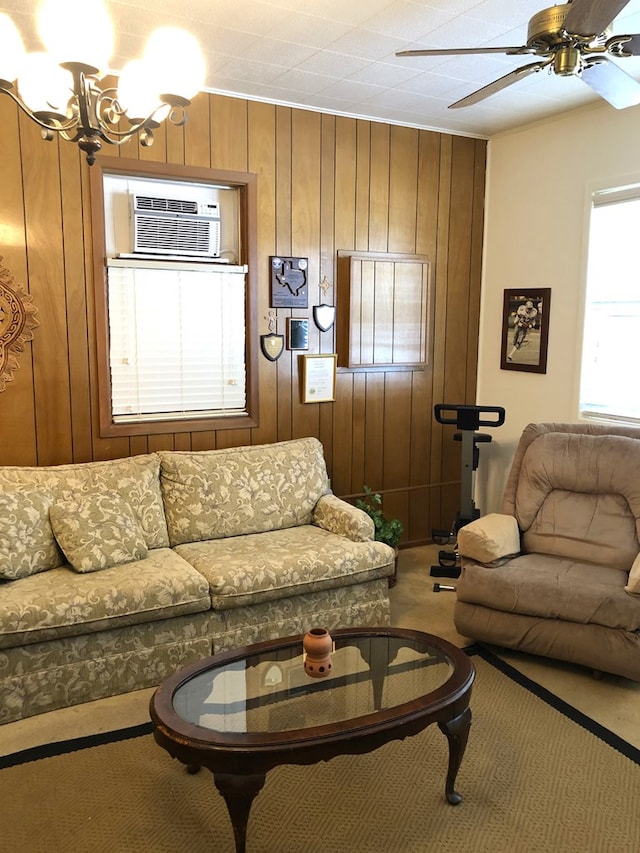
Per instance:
(149,123)
(62,126)
(108,112)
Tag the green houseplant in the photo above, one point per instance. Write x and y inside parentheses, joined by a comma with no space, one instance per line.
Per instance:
(387,530)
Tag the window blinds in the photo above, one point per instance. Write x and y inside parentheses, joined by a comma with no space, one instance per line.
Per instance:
(177,343)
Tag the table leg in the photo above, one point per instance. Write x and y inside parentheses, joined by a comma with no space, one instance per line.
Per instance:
(379,667)
(239,793)
(457,732)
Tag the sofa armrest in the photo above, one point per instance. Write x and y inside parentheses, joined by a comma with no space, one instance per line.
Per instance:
(343,519)
(491,539)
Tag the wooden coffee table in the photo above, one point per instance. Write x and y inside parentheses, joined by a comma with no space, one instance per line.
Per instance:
(241,713)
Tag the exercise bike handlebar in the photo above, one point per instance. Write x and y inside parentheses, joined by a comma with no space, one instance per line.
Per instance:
(469,417)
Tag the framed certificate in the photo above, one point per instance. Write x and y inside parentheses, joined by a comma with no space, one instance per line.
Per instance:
(319,378)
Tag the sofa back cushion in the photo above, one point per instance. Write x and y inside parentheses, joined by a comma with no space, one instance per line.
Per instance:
(27,543)
(220,493)
(578,496)
(28,528)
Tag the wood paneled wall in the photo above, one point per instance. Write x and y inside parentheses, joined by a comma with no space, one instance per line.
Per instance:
(325,183)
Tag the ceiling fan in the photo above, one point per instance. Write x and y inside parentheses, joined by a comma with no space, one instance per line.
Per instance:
(571,39)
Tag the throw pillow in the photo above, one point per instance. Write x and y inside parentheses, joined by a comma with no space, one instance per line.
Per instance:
(492,537)
(97,531)
(27,544)
(633,585)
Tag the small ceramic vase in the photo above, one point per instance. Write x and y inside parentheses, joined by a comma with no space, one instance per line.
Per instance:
(318,645)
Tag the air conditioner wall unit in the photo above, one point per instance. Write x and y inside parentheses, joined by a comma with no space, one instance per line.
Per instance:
(178,227)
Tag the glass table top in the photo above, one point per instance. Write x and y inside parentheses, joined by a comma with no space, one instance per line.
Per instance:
(270,691)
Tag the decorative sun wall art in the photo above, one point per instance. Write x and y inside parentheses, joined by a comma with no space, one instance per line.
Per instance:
(17,322)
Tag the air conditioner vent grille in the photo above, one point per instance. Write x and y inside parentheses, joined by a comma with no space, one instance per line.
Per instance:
(168,205)
(177,237)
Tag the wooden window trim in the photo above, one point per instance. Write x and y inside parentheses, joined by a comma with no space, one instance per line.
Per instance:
(246,183)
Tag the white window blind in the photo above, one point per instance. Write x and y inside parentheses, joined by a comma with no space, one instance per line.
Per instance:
(177,343)
(612,308)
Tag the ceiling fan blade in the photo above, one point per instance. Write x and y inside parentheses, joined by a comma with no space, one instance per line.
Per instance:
(499,84)
(592,17)
(456,51)
(613,84)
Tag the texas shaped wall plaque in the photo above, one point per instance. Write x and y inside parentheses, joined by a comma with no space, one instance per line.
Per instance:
(289,282)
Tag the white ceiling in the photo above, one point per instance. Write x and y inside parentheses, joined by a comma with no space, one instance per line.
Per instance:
(338,56)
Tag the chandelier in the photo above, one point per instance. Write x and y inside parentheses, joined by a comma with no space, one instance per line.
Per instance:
(60,88)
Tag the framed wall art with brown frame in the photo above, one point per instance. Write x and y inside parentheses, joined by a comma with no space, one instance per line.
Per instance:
(525,329)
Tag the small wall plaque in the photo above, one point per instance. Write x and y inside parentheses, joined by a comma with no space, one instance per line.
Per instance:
(297,333)
(272,346)
(289,282)
(324,316)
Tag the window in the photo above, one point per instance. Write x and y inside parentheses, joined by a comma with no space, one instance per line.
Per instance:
(174,331)
(612,308)
(177,343)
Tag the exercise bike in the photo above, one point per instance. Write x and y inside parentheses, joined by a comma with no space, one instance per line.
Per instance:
(467,419)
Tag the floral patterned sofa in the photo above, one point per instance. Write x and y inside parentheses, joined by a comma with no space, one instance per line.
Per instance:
(115,574)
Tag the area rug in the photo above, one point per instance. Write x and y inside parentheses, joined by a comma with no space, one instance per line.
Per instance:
(537,776)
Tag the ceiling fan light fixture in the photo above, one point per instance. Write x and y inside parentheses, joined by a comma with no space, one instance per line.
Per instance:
(567,62)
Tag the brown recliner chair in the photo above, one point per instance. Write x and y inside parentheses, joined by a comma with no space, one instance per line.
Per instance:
(558,572)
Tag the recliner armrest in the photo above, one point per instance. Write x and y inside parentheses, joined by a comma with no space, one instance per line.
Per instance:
(491,539)
(633,583)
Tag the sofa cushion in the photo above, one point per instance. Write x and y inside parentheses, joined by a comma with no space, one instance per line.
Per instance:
(578,496)
(135,478)
(552,588)
(220,493)
(64,603)
(96,531)
(27,545)
(261,567)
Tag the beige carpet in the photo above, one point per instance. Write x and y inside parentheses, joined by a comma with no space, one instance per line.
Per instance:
(532,780)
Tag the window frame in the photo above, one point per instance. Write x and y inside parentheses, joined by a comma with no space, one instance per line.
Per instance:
(599,195)
(246,184)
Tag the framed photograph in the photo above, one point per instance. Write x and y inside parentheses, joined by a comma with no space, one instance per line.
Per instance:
(297,333)
(319,378)
(525,329)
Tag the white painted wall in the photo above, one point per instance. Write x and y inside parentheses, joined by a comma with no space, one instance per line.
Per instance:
(539,183)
